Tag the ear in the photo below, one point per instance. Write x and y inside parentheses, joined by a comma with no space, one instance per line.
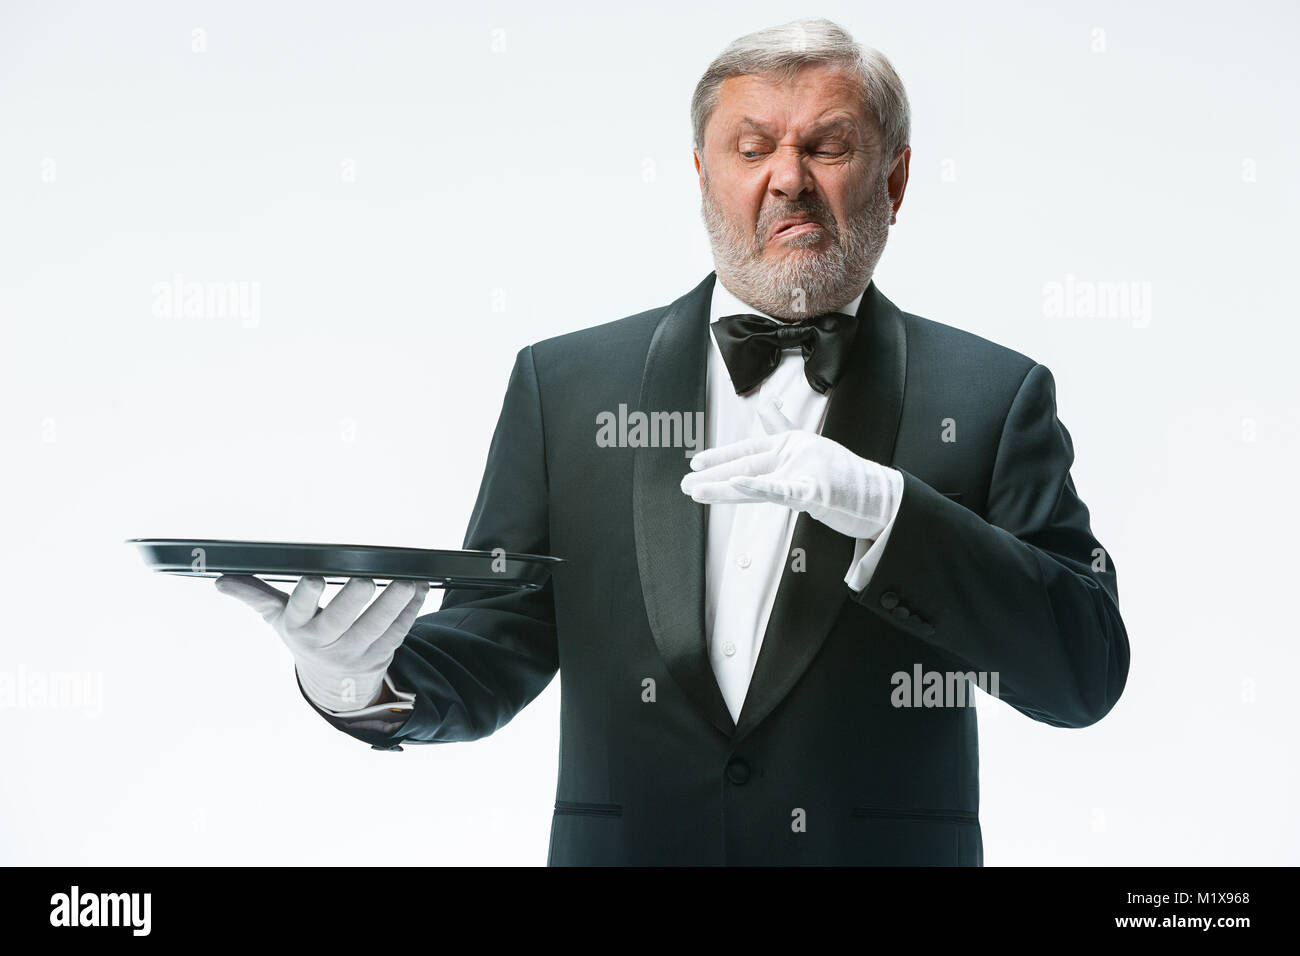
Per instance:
(898,177)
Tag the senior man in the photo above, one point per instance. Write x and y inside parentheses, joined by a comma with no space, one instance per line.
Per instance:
(760,644)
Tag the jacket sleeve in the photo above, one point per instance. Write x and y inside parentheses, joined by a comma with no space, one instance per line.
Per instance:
(1026,591)
(478,660)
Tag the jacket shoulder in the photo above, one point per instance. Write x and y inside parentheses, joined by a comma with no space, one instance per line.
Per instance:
(622,333)
(937,344)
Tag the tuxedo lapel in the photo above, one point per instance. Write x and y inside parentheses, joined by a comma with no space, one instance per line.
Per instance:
(669,526)
(863,415)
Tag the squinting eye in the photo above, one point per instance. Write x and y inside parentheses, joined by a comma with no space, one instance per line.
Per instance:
(751,155)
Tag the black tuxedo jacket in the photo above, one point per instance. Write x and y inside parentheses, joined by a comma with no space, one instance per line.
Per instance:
(991,567)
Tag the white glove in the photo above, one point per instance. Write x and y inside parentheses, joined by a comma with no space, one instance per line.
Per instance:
(801,470)
(341,658)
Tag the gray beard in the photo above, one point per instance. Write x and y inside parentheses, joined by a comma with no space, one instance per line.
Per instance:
(799,285)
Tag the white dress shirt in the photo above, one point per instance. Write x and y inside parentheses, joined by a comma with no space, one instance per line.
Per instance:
(747,545)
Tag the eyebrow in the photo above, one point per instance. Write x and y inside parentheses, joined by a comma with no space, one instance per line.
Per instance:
(839,123)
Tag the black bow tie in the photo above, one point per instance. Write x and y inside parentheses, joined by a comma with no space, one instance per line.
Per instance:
(751,347)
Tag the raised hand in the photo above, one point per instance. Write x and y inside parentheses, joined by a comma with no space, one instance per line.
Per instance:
(800,470)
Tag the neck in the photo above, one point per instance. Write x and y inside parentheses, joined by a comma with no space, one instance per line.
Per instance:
(769,305)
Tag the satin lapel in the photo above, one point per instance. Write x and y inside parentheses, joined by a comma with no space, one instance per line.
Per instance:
(863,415)
(669,526)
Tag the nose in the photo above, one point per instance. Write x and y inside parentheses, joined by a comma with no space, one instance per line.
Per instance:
(789,176)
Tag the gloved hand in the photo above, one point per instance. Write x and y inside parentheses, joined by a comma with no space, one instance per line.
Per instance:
(801,470)
(341,658)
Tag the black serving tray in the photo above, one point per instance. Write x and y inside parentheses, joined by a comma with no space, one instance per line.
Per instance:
(290,561)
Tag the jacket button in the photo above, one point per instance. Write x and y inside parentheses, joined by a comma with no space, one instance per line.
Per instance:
(737,771)
(927,628)
(889,600)
(901,612)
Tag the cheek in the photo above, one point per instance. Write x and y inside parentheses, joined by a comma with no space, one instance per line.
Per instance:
(857,198)
(747,196)
(744,205)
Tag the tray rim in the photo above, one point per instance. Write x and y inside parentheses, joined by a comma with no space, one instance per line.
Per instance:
(523,555)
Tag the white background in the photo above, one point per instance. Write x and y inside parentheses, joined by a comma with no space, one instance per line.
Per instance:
(416,205)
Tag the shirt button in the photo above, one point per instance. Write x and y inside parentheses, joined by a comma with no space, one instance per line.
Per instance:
(728,648)
(743,561)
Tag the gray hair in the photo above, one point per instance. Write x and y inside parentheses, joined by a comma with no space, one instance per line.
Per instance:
(782,51)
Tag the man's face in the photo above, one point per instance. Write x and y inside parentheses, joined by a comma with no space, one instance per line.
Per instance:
(795,191)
